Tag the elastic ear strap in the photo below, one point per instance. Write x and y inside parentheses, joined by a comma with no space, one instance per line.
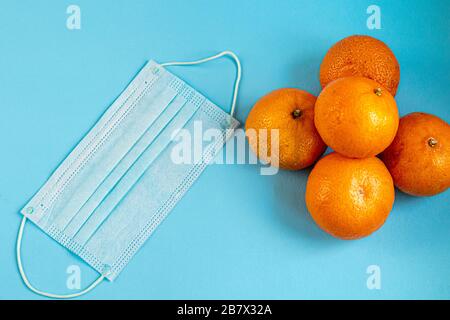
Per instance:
(42,293)
(223,53)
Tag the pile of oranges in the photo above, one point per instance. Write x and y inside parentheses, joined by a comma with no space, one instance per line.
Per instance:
(350,192)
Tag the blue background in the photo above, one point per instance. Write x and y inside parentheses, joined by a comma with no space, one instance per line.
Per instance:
(236,234)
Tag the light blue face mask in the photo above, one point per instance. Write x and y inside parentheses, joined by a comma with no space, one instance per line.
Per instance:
(119,183)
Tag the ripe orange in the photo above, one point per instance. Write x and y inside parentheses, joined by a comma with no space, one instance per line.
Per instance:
(291,111)
(419,156)
(361,56)
(356,117)
(349,198)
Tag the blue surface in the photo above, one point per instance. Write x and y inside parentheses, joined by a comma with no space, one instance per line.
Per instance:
(236,234)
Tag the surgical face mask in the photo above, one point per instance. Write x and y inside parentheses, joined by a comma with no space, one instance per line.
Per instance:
(118,184)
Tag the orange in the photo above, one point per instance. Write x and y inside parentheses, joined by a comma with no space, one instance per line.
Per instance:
(291,112)
(419,157)
(356,117)
(349,198)
(361,56)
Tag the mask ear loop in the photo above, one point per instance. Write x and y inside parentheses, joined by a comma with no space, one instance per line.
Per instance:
(42,293)
(221,54)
